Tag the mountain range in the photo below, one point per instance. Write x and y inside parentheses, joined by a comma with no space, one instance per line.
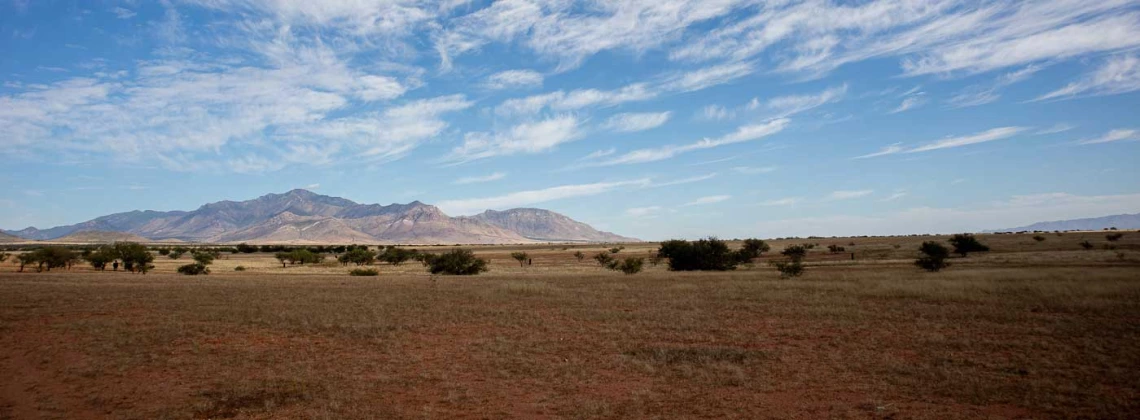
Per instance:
(301,216)
(1119,221)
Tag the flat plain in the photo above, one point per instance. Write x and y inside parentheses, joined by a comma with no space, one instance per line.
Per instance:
(1033,329)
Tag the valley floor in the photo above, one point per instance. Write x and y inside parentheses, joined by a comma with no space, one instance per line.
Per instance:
(1036,331)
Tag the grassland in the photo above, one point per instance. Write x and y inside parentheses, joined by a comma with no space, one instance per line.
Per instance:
(1030,330)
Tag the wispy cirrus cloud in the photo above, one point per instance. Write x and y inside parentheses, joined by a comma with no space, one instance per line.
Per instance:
(633,122)
(849,194)
(712,199)
(1114,136)
(950,142)
(524,138)
(1119,74)
(531,197)
(742,134)
(480,179)
(512,79)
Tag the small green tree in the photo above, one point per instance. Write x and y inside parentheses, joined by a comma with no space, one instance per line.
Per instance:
(4,256)
(933,256)
(27,258)
(358,256)
(521,257)
(617,249)
(793,265)
(397,256)
(133,255)
(204,258)
(965,243)
(710,254)
(101,257)
(460,262)
(282,257)
(753,248)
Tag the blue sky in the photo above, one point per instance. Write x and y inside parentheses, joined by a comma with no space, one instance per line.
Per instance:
(655,119)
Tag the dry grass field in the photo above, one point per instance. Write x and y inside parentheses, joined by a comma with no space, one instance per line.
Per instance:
(1030,330)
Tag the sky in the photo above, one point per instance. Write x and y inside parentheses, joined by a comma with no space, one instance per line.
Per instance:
(649,118)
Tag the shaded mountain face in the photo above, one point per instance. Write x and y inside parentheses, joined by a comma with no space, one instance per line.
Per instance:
(545,225)
(301,216)
(1119,221)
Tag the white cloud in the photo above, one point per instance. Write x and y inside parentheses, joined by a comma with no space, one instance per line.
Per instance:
(975,217)
(357,17)
(708,77)
(716,113)
(848,195)
(936,36)
(985,136)
(574,100)
(511,79)
(709,200)
(480,179)
(950,142)
(524,138)
(642,211)
(123,13)
(888,150)
(742,134)
(313,186)
(632,122)
(1114,136)
(786,106)
(897,195)
(1058,128)
(909,103)
(1119,74)
(750,170)
(526,198)
(781,202)
(688,180)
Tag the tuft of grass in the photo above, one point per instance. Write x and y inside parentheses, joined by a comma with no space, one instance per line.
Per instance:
(364,272)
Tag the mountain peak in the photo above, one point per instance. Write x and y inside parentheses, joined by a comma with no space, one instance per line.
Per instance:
(304,216)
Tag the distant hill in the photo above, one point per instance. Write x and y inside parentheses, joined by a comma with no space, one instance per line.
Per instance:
(545,225)
(6,238)
(301,216)
(1119,221)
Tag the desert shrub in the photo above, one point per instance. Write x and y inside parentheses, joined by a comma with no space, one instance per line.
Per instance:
(933,256)
(521,257)
(246,248)
(631,265)
(397,256)
(605,259)
(789,268)
(835,248)
(1087,245)
(239,268)
(792,265)
(579,255)
(655,259)
(101,257)
(52,257)
(965,243)
(364,272)
(175,254)
(133,255)
(4,256)
(203,257)
(1114,237)
(616,249)
(1039,238)
(164,251)
(709,254)
(358,256)
(456,262)
(194,269)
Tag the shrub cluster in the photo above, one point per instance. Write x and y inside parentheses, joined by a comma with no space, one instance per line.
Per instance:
(460,262)
(364,272)
(933,256)
(710,254)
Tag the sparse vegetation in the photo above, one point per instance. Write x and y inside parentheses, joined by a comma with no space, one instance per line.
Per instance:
(194,269)
(1087,245)
(579,256)
(460,262)
(239,268)
(605,259)
(631,265)
(1039,238)
(521,257)
(364,272)
(358,256)
(709,254)
(965,243)
(933,256)
(792,265)
(1113,237)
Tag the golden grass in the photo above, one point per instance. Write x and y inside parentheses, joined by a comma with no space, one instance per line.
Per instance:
(1018,332)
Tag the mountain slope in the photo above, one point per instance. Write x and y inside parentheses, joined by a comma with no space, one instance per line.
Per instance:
(94,236)
(1119,221)
(545,225)
(6,238)
(301,216)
